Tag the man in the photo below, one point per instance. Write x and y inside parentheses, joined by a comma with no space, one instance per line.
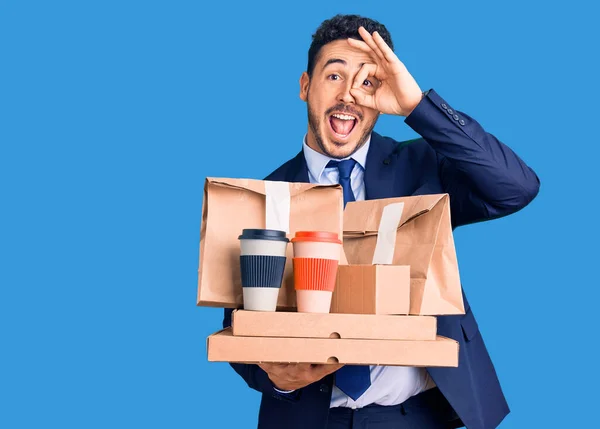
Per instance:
(352,76)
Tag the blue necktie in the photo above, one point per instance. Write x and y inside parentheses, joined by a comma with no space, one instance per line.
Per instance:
(345,168)
(353,380)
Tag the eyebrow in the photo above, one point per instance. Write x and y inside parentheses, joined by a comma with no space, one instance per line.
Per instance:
(337,61)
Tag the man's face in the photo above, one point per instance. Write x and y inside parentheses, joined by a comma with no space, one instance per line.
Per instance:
(337,126)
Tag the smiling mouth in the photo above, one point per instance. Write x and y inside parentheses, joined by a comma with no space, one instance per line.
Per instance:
(342,124)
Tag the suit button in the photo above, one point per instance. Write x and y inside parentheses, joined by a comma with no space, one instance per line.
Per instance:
(324,388)
(462,122)
(455,117)
(444,106)
(450,111)
(386,161)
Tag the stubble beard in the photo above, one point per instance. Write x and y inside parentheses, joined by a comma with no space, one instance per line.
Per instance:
(314,122)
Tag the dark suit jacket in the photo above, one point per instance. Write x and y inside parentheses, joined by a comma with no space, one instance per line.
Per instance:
(485,180)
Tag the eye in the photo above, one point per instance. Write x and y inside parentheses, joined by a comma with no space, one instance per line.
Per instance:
(367,82)
(333,77)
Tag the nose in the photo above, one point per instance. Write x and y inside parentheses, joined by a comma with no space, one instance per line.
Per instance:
(344,95)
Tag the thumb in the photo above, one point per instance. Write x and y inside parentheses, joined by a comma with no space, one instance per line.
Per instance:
(362,98)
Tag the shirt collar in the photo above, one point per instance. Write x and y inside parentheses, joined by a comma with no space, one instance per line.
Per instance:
(317,162)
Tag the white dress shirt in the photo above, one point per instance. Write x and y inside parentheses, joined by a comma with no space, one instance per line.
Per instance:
(390,385)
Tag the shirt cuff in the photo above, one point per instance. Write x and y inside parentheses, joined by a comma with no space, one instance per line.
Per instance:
(285,392)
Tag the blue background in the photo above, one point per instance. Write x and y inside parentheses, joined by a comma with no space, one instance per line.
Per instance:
(112,113)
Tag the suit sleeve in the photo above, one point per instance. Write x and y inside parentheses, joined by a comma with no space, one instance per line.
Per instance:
(254,376)
(484,178)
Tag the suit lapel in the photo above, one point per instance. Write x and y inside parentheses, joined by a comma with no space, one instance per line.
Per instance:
(380,168)
(298,170)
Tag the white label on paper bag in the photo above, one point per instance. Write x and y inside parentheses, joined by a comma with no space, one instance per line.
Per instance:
(386,235)
(278,205)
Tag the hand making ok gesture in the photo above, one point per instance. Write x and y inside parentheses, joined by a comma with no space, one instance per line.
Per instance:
(395,91)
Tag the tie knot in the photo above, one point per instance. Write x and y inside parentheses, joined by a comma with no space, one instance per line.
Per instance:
(345,167)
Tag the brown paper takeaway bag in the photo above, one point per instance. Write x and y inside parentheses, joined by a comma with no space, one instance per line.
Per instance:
(423,240)
(231,205)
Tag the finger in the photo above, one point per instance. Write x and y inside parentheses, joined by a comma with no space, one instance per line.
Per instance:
(362,98)
(273,368)
(291,371)
(359,44)
(302,367)
(385,49)
(365,71)
(266,367)
(363,46)
(369,41)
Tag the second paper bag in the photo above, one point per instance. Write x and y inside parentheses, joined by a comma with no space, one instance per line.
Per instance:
(423,240)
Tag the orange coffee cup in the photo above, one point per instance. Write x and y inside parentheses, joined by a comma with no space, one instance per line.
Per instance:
(316,259)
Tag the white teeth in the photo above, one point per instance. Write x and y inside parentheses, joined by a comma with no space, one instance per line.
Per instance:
(343,117)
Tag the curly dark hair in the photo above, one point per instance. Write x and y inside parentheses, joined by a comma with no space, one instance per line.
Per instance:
(342,27)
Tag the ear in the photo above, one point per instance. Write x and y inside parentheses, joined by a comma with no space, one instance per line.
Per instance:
(304,84)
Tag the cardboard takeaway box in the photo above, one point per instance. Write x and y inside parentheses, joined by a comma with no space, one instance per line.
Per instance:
(336,326)
(225,347)
(372,289)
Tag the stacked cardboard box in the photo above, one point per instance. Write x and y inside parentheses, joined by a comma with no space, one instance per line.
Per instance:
(397,272)
(332,338)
